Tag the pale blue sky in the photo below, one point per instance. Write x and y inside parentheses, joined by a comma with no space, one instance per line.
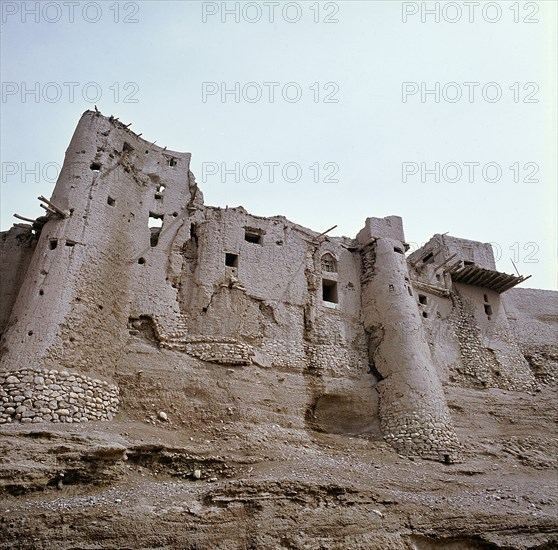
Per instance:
(164,58)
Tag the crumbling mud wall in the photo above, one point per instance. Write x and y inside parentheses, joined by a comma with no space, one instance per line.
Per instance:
(533,319)
(16,249)
(129,266)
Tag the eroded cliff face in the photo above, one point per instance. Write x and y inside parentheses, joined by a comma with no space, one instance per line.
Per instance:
(181,376)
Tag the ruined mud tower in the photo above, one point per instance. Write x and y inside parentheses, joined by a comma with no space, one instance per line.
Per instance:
(127,250)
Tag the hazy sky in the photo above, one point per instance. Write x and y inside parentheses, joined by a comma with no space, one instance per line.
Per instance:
(325,112)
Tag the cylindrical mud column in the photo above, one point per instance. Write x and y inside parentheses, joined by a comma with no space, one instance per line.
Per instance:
(414,415)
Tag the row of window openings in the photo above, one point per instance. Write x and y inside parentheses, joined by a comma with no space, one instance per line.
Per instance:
(423,300)
(53,243)
(96,167)
(158,195)
(329,288)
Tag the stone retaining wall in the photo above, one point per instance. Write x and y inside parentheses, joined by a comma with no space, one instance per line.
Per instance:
(428,434)
(43,395)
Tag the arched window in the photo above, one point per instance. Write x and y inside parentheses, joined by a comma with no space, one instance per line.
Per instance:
(329,263)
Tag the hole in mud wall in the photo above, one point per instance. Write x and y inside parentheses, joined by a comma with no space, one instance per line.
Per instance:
(253,236)
(488,310)
(95,167)
(141,261)
(398,250)
(409,291)
(172,161)
(438,277)
(467,262)
(155,227)
(111,201)
(53,244)
(427,258)
(41,292)
(425,314)
(486,298)
(422,299)
(142,326)
(342,414)
(231,260)
(70,243)
(329,291)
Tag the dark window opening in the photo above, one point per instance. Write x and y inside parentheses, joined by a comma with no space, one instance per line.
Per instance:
(53,244)
(231,260)
(253,236)
(95,166)
(391,288)
(438,277)
(488,309)
(425,314)
(172,162)
(30,333)
(486,297)
(467,262)
(70,243)
(41,292)
(141,261)
(329,291)
(155,226)
(423,299)
(427,257)
(398,250)
(111,201)
(409,291)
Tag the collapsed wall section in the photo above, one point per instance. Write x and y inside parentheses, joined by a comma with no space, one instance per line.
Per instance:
(16,249)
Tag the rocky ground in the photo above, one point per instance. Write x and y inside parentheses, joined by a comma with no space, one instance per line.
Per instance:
(154,483)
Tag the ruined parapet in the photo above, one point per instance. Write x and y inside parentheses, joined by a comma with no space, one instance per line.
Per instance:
(414,415)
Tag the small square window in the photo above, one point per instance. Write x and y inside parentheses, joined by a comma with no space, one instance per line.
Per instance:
(329,291)
(423,299)
(231,260)
(488,309)
(111,201)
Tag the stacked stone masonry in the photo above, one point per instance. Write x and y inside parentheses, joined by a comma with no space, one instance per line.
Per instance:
(227,351)
(43,395)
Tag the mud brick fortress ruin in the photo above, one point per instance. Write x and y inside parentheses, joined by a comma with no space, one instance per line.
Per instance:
(129,262)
